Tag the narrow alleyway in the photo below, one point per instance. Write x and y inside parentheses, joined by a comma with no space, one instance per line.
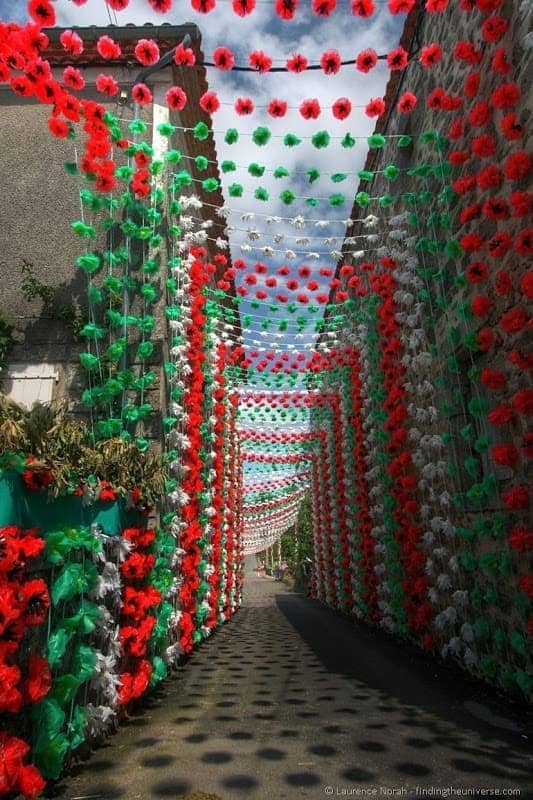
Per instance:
(289,699)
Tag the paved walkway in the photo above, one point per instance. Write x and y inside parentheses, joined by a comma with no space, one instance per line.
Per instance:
(290,700)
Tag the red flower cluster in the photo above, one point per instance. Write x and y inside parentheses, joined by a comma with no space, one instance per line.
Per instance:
(15,776)
(24,604)
(36,476)
(137,619)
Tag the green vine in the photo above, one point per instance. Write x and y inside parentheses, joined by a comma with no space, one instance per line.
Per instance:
(33,288)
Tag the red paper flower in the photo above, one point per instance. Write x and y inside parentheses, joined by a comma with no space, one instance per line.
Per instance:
(11,699)
(310,109)
(375,108)
(526,285)
(42,12)
(71,42)
(108,48)
(495,208)
(506,455)
(341,108)
(499,61)
(406,103)
(506,95)
(147,52)
(485,339)
(397,58)
(107,494)
(481,305)
(472,242)
(436,99)
(517,165)
(203,6)
(434,6)
(259,61)
(515,498)
(521,203)
(141,94)
(513,321)
(223,58)
(430,55)
(297,63)
(323,8)
(366,60)
(330,62)
(106,84)
(458,157)
(470,213)
(36,477)
(511,128)
(493,379)
(487,6)
(286,9)
(471,86)
(38,678)
(244,105)
(483,146)
(494,28)
(161,6)
(477,271)
(400,6)
(243,7)
(499,244)
(489,178)
(209,102)
(500,415)
(362,8)
(176,98)
(503,283)
(523,401)
(60,129)
(521,539)
(73,78)
(480,114)
(465,51)
(35,600)
(184,56)
(137,566)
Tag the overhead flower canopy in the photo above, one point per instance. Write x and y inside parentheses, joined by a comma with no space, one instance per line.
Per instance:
(345,290)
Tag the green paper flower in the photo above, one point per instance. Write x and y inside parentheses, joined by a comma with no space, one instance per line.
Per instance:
(235,190)
(200,131)
(339,177)
(166,128)
(362,199)
(348,141)
(228,166)
(291,140)
(336,199)
(261,136)
(287,196)
(256,170)
(173,156)
(281,172)
(313,174)
(312,201)
(261,194)
(138,126)
(89,263)
(376,140)
(201,162)
(232,136)
(182,178)
(210,184)
(320,139)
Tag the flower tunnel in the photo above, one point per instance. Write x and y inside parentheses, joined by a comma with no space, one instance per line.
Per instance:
(282,306)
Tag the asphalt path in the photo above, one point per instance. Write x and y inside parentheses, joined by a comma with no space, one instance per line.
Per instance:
(291,700)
